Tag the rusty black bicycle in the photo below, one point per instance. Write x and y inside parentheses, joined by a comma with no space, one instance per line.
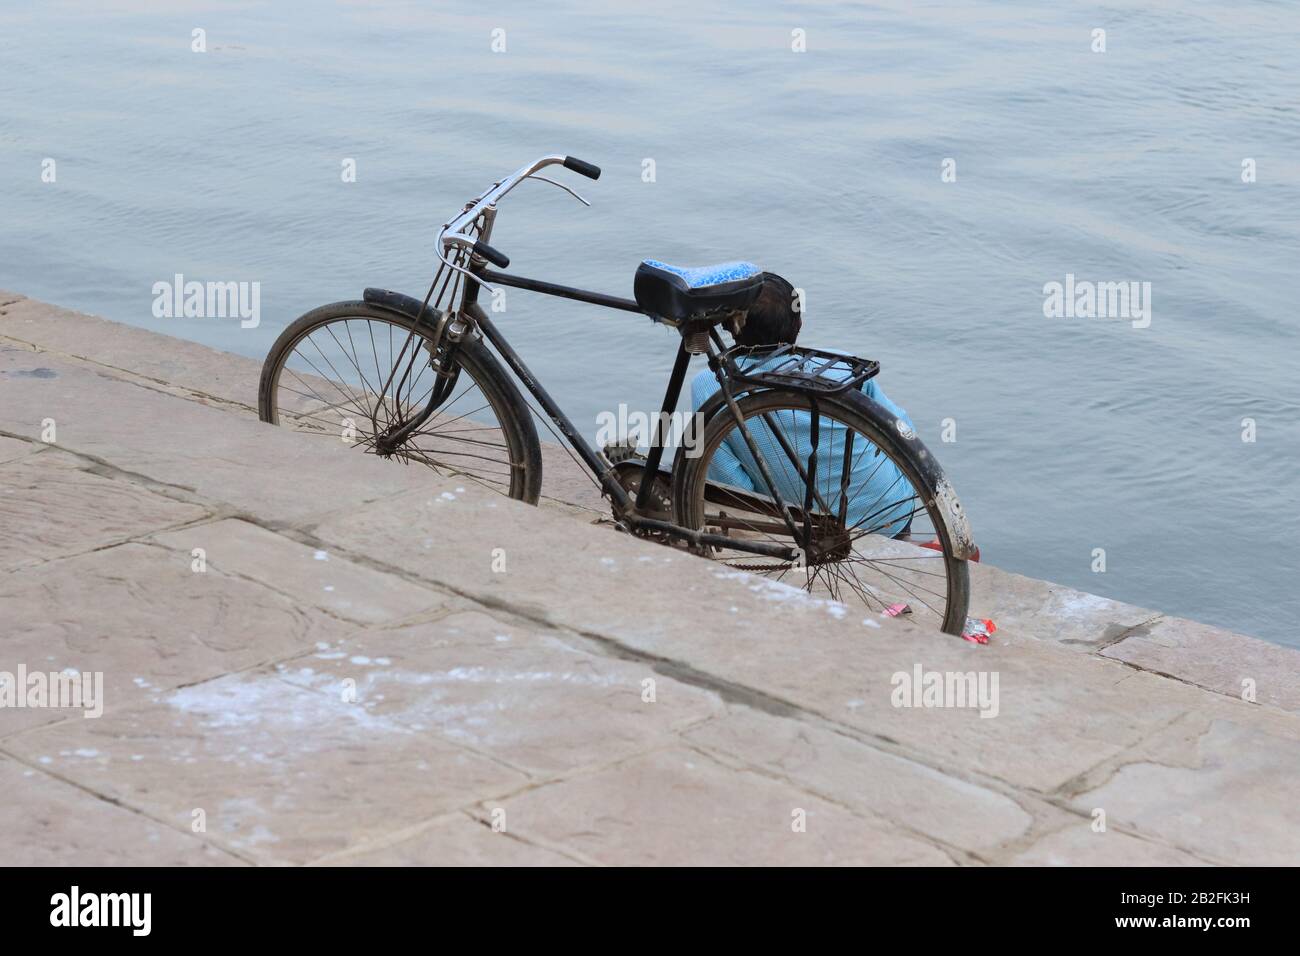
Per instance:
(797,475)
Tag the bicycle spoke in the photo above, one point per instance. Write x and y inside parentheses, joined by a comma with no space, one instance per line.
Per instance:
(863,511)
(463,438)
(348,395)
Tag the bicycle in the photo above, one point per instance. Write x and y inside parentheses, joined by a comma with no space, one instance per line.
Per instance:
(777,407)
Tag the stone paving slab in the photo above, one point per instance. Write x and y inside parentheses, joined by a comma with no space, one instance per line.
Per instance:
(387,721)
(482,557)
(567,483)
(454,840)
(1210,780)
(689,809)
(50,508)
(507,691)
(1080,845)
(57,824)
(1037,610)
(116,349)
(12,449)
(1210,657)
(282,774)
(147,622)
(833,765)
(312,577)
(193,449)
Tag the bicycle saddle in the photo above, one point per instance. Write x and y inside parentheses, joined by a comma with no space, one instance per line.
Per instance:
(673,294)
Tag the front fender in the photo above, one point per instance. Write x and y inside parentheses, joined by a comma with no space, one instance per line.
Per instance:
(403,304)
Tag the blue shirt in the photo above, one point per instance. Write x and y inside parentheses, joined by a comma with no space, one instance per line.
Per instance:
(880,496)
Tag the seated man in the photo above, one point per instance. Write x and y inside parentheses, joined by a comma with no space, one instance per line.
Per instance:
(880,496)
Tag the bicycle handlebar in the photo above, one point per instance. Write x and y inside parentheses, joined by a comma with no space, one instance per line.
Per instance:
(494,256)
(581,166)
(453,231)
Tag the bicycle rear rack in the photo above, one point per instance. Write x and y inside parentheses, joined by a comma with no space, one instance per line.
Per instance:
(790,366)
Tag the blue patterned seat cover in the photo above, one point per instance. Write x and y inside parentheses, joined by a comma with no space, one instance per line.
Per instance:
(705,276)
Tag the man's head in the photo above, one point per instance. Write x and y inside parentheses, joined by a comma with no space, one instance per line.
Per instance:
(773,318)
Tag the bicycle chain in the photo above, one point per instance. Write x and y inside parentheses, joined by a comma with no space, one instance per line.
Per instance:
(759,567)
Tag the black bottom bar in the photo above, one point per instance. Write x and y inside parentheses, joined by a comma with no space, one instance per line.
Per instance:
(961,909)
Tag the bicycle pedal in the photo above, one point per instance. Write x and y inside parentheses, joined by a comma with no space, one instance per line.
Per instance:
(616,452)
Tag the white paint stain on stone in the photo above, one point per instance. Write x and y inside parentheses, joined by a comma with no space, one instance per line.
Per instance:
(782,593)
(266,715)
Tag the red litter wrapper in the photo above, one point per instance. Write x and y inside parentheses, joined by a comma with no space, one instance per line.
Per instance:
(977,630)
(894,610)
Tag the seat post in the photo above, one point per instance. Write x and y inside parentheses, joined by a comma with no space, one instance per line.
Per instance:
(656,443)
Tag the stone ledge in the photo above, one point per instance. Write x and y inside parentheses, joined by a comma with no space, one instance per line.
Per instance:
(1210,657)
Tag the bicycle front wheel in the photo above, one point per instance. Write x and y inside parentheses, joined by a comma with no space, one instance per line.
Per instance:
(359,374)
(867,509)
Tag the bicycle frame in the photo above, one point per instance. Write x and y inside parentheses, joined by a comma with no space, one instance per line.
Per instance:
(631,508)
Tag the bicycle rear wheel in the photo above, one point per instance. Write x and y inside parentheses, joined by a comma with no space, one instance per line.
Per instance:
(871,512)
(357,373)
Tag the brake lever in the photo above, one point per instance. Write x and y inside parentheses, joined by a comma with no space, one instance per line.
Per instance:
(455,267)
(553,182)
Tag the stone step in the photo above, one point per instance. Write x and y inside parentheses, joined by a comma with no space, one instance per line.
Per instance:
(321,656)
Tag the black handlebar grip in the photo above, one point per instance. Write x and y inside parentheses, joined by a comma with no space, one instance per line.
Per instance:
(494,256)
(578,166)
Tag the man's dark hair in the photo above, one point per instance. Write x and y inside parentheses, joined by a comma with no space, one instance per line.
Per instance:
(773,318)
